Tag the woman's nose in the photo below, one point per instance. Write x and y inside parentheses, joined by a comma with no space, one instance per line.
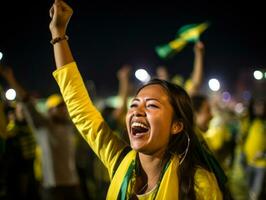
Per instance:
(140,111)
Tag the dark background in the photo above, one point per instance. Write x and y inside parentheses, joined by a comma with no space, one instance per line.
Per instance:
(105,35)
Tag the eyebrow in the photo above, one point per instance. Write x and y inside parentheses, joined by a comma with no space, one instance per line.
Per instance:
(148,99)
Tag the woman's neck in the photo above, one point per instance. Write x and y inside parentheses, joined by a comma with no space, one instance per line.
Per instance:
(149,172)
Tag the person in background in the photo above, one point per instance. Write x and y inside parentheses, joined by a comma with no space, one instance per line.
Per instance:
(255,150)
(212,139)
(20,152)
(203,111)
(55,135)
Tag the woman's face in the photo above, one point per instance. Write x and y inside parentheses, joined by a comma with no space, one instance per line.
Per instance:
(149,120)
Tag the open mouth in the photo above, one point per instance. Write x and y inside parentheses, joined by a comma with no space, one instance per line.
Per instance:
(139,128)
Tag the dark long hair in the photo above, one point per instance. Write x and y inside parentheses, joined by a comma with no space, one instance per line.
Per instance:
(183,112)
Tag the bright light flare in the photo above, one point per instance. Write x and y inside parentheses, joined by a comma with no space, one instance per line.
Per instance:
(142,75)
(10,94)
(214,84)
(258,75)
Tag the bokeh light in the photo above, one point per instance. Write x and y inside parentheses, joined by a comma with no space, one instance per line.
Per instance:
(226,96)
(258,75)
(142,75)
(214,84)
(246,95)
(11,94)
(239,108)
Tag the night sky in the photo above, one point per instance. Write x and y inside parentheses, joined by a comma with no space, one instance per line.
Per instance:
(103,36)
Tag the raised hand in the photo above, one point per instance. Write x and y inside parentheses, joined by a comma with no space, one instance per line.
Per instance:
(199,47)
(60,13)
(124,72)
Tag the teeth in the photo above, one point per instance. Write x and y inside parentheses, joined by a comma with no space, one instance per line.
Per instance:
(137,124)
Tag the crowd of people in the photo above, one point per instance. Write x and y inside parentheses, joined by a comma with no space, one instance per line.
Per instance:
(170,142)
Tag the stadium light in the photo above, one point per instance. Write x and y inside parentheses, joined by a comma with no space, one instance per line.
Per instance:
(214,84)
(10,94)
(258,75)
(142,75)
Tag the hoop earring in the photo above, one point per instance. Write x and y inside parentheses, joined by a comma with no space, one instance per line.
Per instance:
(185,152)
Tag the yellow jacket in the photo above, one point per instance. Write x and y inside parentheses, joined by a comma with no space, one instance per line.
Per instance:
(217,135)
(108,146)
(255,145)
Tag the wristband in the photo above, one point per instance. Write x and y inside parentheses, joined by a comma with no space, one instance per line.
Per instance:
(58,39)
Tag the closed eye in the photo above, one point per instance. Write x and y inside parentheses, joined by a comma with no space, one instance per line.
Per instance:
(152,106)
(134,105)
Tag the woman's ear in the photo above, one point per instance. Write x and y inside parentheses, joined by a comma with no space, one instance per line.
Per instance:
(177,127)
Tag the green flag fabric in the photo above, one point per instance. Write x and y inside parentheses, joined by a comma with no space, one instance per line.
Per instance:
(192,32)
(186,34)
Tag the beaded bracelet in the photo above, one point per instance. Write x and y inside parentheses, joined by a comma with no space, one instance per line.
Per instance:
(58,39)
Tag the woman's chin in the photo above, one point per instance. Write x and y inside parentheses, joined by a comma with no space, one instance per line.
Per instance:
(136,146)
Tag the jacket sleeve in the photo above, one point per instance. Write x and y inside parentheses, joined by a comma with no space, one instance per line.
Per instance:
(86,117)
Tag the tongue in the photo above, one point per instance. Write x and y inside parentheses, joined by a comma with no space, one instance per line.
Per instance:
(139,129)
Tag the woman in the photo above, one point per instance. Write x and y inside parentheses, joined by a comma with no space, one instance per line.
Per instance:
(163,160)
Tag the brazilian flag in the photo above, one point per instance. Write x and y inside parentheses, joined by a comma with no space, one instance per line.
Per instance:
(186,34)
